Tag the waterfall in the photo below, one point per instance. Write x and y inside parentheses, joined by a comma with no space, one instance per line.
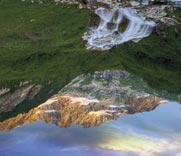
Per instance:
(105,37)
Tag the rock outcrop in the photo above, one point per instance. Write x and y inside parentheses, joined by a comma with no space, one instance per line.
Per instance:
(90,100)
(11,100)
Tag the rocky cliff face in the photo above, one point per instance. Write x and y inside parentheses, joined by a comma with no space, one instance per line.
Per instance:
(11,100)
(90,100)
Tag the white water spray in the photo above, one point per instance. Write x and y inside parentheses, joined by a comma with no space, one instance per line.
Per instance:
(105,37)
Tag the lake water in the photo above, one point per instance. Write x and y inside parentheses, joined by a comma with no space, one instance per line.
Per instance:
(149,133)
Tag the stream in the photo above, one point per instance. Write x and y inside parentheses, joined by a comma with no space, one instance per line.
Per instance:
(109,34)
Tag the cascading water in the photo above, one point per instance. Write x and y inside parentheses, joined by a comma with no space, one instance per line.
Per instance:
(105,37)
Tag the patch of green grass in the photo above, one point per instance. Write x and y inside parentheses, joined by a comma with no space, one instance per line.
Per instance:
(175,13)
(104,82)
(156,59)
(42,42)
(135,83)
(87,81)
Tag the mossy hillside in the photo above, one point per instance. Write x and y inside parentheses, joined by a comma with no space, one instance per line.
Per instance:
(42,42)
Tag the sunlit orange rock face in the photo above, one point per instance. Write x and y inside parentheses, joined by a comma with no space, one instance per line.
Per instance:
(65,111)
(76,105)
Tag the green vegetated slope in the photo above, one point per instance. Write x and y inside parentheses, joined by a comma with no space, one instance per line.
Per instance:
(42,42)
